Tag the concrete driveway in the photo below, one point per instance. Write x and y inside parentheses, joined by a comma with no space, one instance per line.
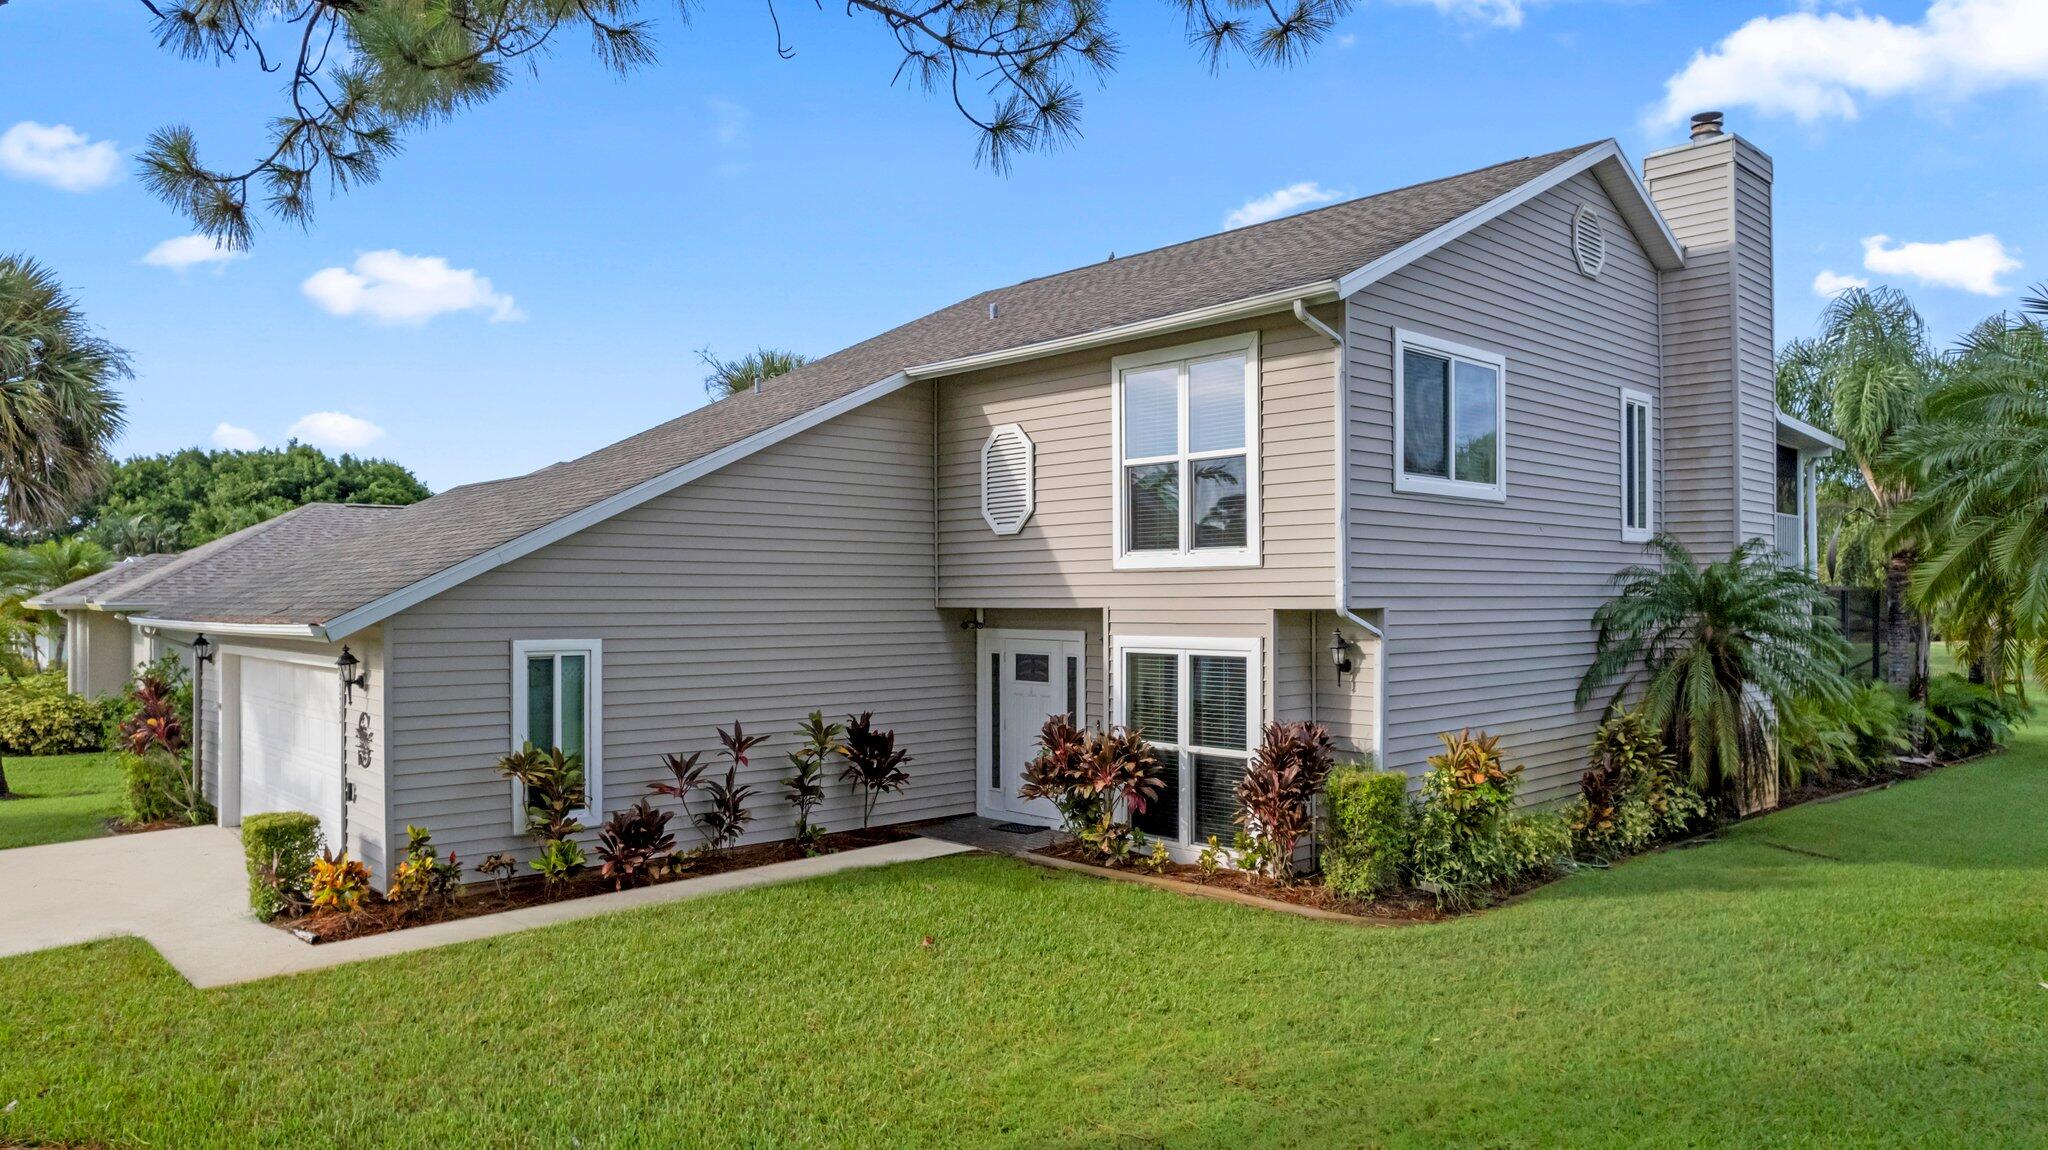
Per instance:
(186,893)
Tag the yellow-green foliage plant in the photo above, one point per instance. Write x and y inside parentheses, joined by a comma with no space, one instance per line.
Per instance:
(1368,830)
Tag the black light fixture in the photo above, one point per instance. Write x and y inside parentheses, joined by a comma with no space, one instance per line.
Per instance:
(1340,652)
(351,678)
(202,649)
(202,654)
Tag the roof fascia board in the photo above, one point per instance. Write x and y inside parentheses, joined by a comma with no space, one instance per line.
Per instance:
(1812,437)
(376,610)
(266,630)
(1321,290)
(1606,153)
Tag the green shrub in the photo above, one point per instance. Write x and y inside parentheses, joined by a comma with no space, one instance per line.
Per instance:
(40,716)
(158,788)
(1859,735)
(1466,841)
(1368,829)
(280,847)
(1631,794)
(1967,718)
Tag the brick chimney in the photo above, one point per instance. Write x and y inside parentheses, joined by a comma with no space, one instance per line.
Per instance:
(1720,390)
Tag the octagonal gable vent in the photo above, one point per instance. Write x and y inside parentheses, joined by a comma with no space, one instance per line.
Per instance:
(1006,479)
(1589,241)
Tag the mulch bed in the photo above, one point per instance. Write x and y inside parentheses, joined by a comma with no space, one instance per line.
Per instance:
(1402,907)
(381,917)
(121,827)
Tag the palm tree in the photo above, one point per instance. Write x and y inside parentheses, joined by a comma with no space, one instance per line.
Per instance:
(1979,514)
(137,533)
(1716,651)
(26,572)
(733,376)
(1873,364)
(58,409)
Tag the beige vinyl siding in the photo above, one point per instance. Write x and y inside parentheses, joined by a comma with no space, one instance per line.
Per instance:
(100,653)
(1306,684)
(800,577)
(1756,344)
(1064,555)
(1487,606)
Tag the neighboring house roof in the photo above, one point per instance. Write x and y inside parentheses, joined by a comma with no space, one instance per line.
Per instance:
(346,580)
(1795,432)
(79,592)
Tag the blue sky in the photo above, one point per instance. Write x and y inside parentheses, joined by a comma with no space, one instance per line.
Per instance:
(725,198)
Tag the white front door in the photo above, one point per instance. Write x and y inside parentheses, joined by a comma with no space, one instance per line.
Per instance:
(1025,678)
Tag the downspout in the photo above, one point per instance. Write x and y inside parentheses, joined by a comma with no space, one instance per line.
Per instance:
(1340,437)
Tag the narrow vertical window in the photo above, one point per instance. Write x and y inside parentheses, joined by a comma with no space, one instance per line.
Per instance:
(557,703)
(1638,473)
(1073,689)
(995,720)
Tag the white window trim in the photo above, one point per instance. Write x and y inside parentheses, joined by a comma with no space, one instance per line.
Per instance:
(593,725)
(1187,557)
(1630,397)
(1497,491)
(1247,649)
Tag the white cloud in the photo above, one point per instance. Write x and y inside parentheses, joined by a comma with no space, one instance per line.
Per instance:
(728,122)
(1499,13)
(1281,202)
(1971,265)
(58,155)
(392,287)
(231,438)
(190,251)
(335,431)
(1815,65)
(1347,40)
(1829,284)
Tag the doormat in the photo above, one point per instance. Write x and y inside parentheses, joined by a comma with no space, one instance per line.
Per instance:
(1017,828)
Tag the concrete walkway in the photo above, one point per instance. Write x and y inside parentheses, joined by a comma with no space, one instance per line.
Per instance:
(185,892)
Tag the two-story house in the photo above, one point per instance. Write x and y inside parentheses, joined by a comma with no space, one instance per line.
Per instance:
(1373,465)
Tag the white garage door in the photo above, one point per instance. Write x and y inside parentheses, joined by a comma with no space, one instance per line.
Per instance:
(290,720)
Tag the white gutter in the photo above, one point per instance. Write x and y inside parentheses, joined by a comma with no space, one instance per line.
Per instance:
(1179,321)
(253,630)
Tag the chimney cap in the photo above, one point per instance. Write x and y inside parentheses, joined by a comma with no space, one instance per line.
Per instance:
(1707,125)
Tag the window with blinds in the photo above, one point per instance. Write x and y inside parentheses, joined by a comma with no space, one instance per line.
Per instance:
(1188,474)
(1638,475)
(1195,708)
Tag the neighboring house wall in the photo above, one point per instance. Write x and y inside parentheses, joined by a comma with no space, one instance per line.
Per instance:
(800,577)
(1488,605)
(99,653)
(1720,433)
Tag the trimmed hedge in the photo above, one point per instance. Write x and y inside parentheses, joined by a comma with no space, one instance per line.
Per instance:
(1368,831)
(158,788)
(292,839)
(39,716)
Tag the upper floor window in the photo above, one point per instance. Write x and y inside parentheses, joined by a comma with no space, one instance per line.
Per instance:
(1638,474)
(1187,432)
(1450,419)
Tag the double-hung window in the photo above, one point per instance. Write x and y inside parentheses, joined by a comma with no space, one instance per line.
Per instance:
(1196,703)
(1450,419)
(558,701)
(1187,474)
(1638,468)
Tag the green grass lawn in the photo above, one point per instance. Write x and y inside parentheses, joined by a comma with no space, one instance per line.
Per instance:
(1862,971)
(61,797)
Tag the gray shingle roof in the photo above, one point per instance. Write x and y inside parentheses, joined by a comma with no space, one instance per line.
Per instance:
(325,574)
(95,586)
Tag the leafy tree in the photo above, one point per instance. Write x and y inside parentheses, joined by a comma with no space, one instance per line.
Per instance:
(185,498)
(364,74)
(26,572)
(1872,369)
(58,409)
(1978,516)
(733,376)
(1717,651)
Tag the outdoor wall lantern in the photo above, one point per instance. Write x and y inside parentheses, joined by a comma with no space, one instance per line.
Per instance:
(202,654)
(351,678)
(202,649)
(1340,652)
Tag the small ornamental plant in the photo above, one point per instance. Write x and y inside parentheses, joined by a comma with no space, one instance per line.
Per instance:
(727,815)
(804,787)
(1276,796)
(1098,780)
(499,867)
(554,793)
(340,883)
(423,878)
(634,845)
(874,764)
